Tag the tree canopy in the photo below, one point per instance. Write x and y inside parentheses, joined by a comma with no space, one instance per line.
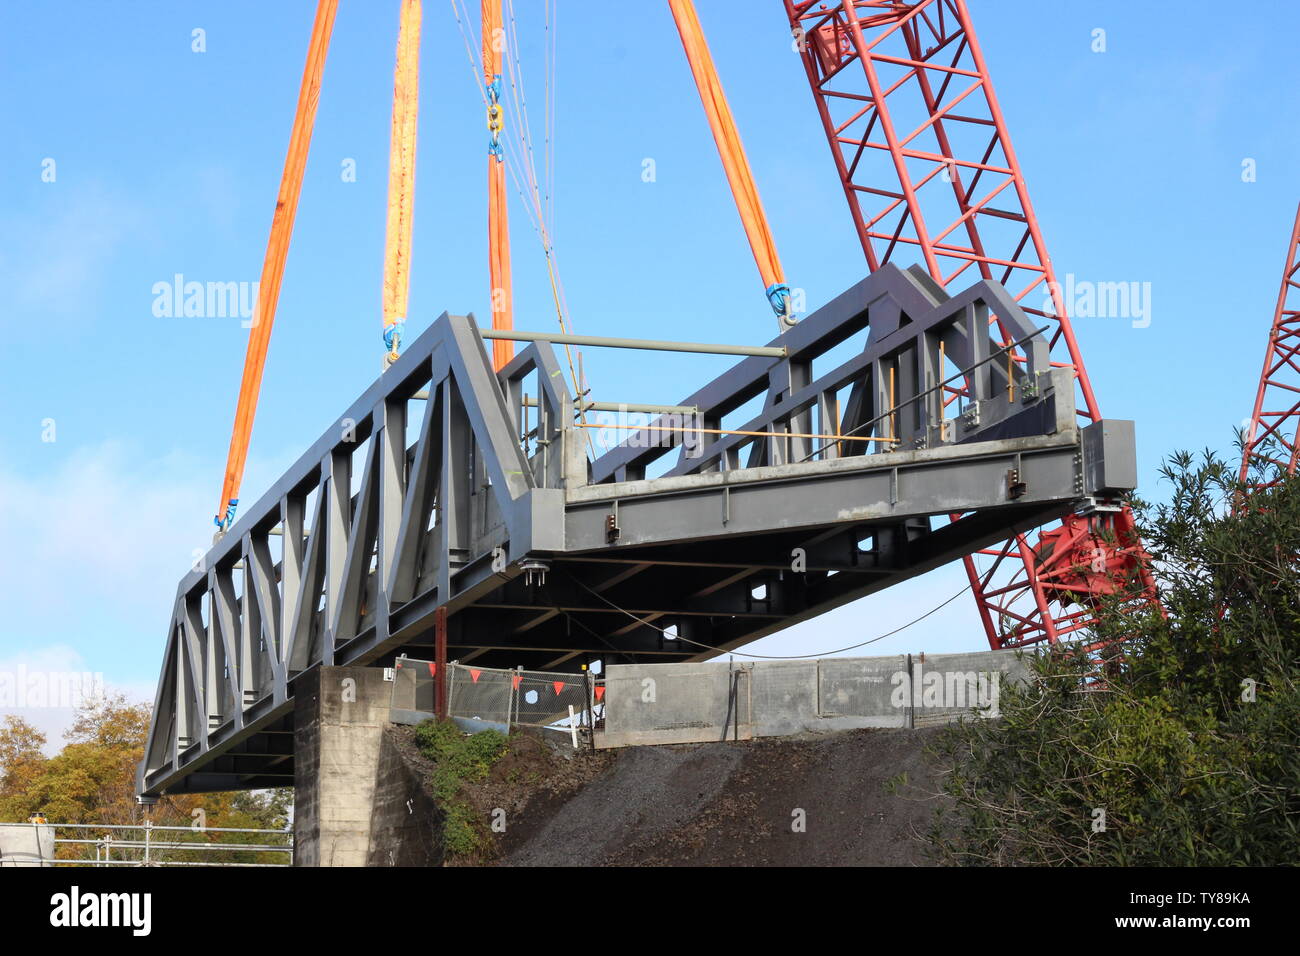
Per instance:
(1187,753)
(92,780)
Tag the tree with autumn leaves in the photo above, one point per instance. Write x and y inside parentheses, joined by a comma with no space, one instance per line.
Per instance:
(92,780)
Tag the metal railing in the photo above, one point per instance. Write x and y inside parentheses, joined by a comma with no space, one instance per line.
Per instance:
(148,844)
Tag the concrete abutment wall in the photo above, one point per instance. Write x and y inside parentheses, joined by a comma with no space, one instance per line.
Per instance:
(355,800)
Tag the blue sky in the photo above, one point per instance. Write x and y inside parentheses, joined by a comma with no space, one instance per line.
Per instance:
(167,161)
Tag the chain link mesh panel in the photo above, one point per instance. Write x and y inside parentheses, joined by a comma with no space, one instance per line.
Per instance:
(479,693)
(514,698)
(544,698)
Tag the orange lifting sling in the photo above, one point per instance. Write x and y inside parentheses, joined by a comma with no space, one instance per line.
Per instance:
(401,178)
(732,152)
(277,248)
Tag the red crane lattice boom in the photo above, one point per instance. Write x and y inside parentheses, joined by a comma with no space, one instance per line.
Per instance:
(1272,444)
(905,98)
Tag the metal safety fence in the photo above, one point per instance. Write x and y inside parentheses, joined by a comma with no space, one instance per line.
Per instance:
(498,698)
(146,844)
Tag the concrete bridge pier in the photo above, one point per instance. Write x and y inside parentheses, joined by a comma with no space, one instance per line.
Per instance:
(356,803)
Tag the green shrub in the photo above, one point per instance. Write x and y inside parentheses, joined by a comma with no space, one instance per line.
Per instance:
(1190,751)
(459,758)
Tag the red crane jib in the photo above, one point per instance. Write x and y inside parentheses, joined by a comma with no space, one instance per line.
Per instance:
(930,175)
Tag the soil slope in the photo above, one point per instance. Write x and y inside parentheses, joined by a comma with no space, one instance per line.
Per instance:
(864,795)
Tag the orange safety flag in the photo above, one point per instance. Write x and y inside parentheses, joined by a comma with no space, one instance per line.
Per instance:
(516,681)
(494,41)
(600,692)
(732,152)
(277,250)
(558,685)
(474,674)
(401,177)
(433,669)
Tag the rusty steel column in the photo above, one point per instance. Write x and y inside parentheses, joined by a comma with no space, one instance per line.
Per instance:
(440,662)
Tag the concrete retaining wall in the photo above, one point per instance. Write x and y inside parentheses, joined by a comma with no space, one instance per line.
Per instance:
(689,703)
(948,686)
(406,823)
(673,703)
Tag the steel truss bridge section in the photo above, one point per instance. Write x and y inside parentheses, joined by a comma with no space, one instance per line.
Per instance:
(824,467)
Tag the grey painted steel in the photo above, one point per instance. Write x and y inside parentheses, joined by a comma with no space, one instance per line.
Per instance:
(650,345)
(1110,457)
(636,407)
(530,402)
(691,703)
(658,550)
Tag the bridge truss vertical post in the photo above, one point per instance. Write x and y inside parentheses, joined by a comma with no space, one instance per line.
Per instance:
(928,169)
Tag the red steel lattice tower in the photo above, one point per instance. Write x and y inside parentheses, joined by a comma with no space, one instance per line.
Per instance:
(1272,443)
(928,168)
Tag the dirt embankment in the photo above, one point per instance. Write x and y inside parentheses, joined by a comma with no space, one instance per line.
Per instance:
(847,799)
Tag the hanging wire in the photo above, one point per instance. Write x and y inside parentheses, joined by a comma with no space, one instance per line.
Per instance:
(770,657)
(519,161)
(523,130)
(552,24)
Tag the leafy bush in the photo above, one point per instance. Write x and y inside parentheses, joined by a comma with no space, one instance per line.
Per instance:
(1189,756)
(459,759)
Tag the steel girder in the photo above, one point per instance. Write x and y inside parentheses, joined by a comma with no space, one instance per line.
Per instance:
(449,485)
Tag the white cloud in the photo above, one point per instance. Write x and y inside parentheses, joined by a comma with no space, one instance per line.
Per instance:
(45,685)
(95,548)
(102,526)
